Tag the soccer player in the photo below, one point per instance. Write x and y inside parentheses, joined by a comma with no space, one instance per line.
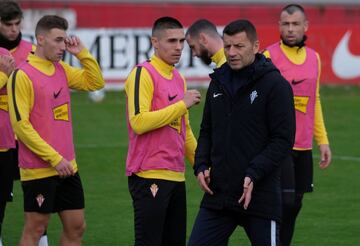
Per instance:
(40,113)
(159,137)
(247,130)
(205,42)
(300,65)
(10,39)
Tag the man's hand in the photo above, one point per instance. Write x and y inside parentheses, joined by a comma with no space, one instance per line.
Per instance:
(64,168)
(248,188)
(325,155)
(191,97)
(7,64)
(74,45)
(204,181)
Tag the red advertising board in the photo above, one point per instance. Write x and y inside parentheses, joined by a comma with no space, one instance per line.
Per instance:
(334,30)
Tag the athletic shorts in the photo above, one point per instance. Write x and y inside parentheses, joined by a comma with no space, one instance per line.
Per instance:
(53,194)
(8,173)
(297,172)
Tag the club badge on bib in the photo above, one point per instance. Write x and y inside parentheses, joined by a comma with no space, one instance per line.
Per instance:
(40,200)
(154,189)
(176,124)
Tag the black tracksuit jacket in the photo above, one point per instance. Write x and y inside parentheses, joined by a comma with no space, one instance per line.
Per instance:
(248,128)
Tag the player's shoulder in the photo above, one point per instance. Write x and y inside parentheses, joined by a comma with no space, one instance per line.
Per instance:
(19,78)
(28,44)
(313,51)
(139,73)
(19,73)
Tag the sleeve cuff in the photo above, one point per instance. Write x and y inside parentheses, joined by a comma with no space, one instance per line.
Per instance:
(56,161)
(251,175)
(183,106)
(323,141)
(200,168)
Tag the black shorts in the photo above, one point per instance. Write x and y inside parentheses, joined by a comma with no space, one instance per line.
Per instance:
(297,172)
(159,211)
(9,171)
(53,194)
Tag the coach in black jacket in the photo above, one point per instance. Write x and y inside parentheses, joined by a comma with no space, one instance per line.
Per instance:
(247,130)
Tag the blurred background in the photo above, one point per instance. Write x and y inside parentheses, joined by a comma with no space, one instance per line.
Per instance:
(118,35)
(118,32)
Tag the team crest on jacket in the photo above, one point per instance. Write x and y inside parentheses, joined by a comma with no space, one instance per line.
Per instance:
(40,200)
(253,95)
(154,189)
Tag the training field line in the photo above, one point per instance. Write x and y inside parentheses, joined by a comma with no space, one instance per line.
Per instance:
(122,145)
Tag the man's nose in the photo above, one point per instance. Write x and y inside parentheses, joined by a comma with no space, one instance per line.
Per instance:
(63,46)
(291,28)
(232,51)
(179,46)
(13,28)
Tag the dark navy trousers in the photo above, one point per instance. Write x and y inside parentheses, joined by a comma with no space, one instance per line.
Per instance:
(214,227)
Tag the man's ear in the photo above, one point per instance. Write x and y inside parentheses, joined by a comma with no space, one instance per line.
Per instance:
(203,38)
(40,39)
(155,42)
(256,46)
(306,25)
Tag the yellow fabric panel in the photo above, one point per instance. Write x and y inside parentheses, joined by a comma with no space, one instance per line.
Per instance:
(320,133)
(39,173)
(266,53)
(3,79)
(147,120)
(88,78)
(298,56)
(190,142)
(294,54)
(23,129)
(219,58)
(162,174)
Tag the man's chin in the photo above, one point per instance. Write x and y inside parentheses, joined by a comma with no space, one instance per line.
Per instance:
(12,38)
(290,43)
(235,66)
(56,59)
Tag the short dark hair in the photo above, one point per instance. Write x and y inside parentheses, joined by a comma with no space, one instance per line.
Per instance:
(292,8)
(48,22)
(165,22)
(202,25)
(10,10)
(239,26)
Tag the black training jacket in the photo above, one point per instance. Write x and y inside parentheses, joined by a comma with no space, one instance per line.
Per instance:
(247,134)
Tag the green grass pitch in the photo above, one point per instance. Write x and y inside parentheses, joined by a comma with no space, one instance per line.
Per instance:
(330,215)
